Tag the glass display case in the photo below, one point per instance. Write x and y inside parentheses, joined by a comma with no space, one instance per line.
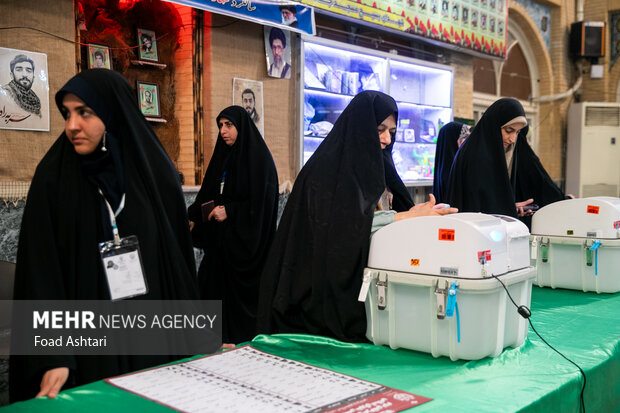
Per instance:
(334,73)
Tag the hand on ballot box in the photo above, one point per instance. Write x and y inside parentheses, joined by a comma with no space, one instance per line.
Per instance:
(425,209)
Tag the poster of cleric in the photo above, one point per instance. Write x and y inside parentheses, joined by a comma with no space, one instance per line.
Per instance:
(24,90)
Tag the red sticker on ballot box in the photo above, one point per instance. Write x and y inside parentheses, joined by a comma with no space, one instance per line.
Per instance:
(446,234)
(617,225)
(592,209)
(486,254)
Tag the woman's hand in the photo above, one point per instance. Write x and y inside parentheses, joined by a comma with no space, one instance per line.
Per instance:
(52,382)
(522,212)
(219,213)
(424,209)
(191,225)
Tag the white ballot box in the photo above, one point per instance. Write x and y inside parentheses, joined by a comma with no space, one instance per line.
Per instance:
(575,244)
(428,285)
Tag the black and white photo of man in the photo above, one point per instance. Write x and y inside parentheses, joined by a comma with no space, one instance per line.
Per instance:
(99,59)
(20,87)
(248,101)
(147,43)
(279,67)
(148,99)
(24,90)
(248,94)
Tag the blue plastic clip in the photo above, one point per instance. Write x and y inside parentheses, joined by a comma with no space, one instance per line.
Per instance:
(452,307)
(595,246)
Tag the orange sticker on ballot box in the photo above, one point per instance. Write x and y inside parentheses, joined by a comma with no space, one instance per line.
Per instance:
(592,209)
(446,234)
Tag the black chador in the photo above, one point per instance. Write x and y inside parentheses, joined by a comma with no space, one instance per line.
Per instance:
(479,180)
(242,178)
(313,272)
(65,219)
(447,145)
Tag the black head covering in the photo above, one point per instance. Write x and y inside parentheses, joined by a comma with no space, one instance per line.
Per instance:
(447,145)
(58,257)
(401,200)
(532,180)
(103,168)
(235,248)
(313,271)
(478,179)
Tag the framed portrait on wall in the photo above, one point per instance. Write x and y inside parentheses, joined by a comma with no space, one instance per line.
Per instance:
(278,52)
(148,99)
(24,90)
(147,45)
(249,95)
(99,56)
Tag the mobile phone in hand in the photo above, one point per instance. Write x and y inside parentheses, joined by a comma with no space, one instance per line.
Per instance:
(531,207)
(206,209)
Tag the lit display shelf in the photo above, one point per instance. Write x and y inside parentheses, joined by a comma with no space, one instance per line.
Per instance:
(335,72)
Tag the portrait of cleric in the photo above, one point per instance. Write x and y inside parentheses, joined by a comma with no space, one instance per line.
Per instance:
(24,101)
(278,55)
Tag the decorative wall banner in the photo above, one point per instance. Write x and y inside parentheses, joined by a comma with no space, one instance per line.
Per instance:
(541,16)
(24,90)
(478,25)
(287,15)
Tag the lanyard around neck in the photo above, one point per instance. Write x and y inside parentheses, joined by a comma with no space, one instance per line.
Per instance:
(113,215)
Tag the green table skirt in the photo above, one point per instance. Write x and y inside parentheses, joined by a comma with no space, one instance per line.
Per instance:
(531,378)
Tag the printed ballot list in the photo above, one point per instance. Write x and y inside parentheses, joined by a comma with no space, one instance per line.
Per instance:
(248,380)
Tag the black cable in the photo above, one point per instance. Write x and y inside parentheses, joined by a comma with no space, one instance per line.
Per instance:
(583,374)
(526,313)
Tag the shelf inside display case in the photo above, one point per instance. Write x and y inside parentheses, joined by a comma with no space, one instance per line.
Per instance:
(342,71)
(420,84)
(423,91)
(419,123)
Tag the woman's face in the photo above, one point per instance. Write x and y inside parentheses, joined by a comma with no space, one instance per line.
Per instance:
(510,133)
(82,126)
(228,132)
(386,130)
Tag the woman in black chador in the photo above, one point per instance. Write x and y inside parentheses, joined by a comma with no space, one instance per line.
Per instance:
(107,144)
(242,182)
(313,271)
(482,177)
(495,170)
(450,137)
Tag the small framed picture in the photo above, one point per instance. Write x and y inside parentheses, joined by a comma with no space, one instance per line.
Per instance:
(99,56)
(148,99)
(147,43)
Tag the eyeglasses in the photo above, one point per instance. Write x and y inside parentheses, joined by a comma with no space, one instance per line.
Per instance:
(277,47)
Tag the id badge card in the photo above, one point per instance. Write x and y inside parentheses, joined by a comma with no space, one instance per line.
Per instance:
(123,268)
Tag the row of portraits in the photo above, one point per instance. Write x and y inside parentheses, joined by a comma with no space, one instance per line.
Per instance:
(24,87)
(24,91)
(99,55)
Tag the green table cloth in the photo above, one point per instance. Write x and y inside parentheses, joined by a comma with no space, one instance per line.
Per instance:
(531,378)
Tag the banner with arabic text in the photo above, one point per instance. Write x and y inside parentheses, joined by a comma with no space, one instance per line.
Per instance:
(478,25)
(287,15)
